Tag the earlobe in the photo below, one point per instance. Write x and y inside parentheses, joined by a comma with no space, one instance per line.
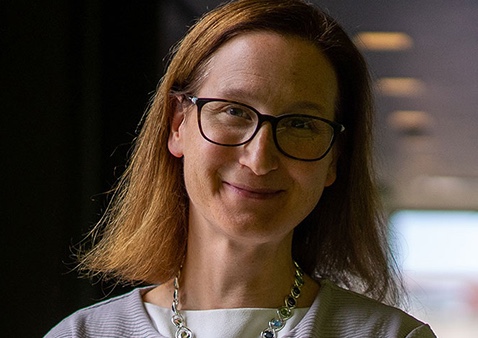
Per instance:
(332,171)
(175,145)
(331,175)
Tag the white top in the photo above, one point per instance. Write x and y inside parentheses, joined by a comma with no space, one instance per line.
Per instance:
(222,322)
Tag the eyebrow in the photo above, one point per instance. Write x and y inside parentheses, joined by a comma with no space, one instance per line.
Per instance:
(308,105)
(240,94)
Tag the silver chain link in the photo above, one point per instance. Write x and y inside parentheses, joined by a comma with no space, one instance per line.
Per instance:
(275,324)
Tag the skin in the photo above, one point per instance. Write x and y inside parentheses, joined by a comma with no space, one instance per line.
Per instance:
(246,201)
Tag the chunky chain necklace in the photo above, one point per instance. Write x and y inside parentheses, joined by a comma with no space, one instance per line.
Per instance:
(275,324)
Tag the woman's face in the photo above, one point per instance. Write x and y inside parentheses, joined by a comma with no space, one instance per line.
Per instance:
(253,192)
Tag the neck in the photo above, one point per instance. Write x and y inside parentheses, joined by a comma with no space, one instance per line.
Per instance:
(220,273)
(229,276)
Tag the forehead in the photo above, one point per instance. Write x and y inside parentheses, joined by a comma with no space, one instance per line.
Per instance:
(270,65)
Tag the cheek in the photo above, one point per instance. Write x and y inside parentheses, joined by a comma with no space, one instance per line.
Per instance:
(311,182)
(202,165)
(311,194)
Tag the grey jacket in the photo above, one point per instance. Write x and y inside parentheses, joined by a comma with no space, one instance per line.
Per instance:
(335,313)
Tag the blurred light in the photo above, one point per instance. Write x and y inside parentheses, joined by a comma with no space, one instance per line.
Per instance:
(410,120)
(437,252)
(458,184)
(400,86)
(429,232)
(443,183)
(383,41)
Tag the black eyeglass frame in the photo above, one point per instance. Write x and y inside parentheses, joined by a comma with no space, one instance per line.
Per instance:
(262,118)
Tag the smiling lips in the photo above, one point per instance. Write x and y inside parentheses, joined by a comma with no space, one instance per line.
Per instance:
(253,192)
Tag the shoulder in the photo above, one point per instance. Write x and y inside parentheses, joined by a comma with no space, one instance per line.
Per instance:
(342,313)
(122,316)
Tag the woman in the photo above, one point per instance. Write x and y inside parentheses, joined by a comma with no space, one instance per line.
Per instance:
(249,202)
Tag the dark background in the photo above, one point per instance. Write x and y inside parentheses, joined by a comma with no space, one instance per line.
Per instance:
(77,77)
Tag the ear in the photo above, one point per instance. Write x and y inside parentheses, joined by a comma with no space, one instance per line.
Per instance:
(175,141)
(332,170)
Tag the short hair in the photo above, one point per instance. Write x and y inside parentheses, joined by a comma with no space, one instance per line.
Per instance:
(143,234)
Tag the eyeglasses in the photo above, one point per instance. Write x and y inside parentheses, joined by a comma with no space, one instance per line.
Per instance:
(298,136)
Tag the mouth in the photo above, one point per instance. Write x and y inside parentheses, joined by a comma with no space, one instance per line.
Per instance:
(253,192)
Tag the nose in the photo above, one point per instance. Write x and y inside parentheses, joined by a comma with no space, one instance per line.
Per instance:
(260,154)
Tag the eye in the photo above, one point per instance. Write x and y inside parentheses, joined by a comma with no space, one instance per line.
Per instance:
(228,114)
(303,126)
(238,111)
(299,123)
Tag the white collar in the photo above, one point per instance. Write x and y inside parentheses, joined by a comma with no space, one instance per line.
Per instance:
(234,323)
